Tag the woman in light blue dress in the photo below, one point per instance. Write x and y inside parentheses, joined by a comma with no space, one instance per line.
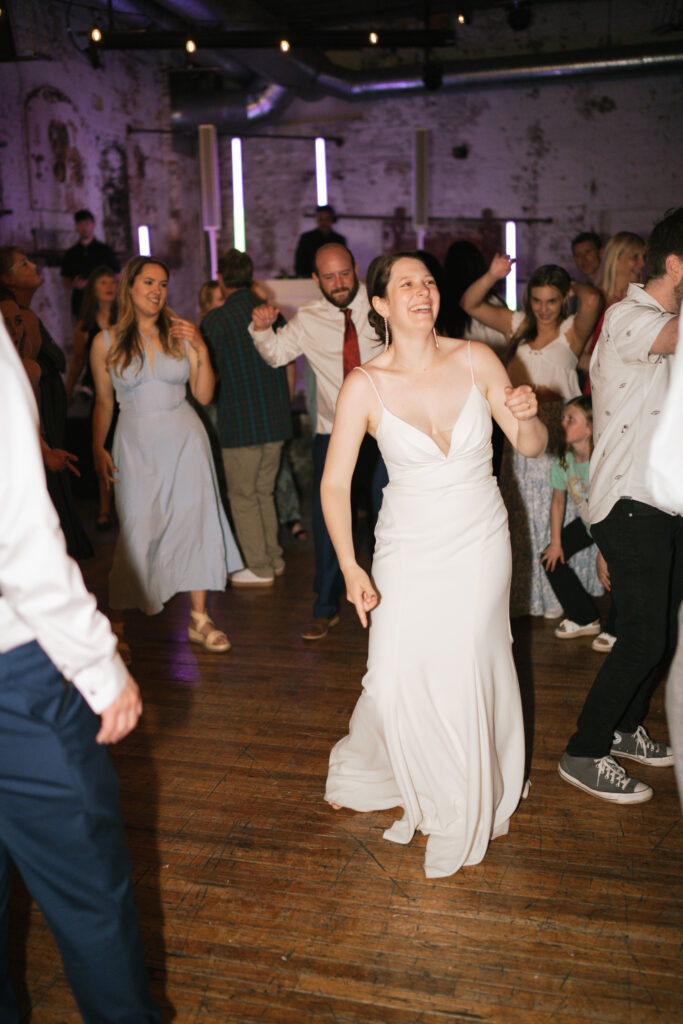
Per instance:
(173,532)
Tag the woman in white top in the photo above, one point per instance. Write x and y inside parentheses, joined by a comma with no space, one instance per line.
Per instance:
(545,345)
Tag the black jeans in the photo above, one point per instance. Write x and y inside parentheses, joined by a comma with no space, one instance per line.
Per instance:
(643,548)
(578,605)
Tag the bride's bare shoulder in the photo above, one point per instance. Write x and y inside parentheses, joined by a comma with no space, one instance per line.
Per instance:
(453,348)
(479,350)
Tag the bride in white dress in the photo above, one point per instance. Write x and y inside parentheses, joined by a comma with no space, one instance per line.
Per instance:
(438,728)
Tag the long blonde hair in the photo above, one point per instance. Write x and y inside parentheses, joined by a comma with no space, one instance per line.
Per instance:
(127,343)
(623,241)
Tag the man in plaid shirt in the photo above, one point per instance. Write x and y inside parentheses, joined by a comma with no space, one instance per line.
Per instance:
(254,420)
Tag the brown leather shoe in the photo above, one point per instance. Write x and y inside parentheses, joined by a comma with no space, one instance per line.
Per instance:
(318,628)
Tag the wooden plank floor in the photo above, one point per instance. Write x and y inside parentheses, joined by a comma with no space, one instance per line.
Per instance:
(259,903)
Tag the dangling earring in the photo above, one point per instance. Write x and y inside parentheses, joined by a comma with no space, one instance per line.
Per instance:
(386,334)
(436,340)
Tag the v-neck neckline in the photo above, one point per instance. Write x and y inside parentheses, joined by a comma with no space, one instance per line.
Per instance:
(424,433)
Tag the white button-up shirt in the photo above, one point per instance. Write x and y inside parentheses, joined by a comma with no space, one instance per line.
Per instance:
(629,388)
(317,332)
(42,594)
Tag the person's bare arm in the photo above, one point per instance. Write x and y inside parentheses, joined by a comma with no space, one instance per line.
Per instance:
(77,360)
(351,421)
(666,342)
(590,303)
(554,552)
(33,372)
(33,340)
(202,377)
(102,412)
(514,408)
(291,378)
(474,301)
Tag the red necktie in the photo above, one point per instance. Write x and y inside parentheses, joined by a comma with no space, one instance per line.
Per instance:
(351,350)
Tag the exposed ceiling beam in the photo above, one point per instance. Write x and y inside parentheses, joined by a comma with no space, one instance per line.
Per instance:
(144,39)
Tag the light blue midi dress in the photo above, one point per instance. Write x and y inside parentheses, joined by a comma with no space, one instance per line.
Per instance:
(173,531)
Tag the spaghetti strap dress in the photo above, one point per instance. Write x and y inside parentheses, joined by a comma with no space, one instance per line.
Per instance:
(174,534)
(438,727)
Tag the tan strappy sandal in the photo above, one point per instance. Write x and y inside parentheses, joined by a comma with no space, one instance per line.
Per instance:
(202,630)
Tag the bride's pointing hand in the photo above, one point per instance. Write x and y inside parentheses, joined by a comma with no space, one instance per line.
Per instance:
(360,592)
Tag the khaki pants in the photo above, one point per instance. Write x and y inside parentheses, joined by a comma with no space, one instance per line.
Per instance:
(250,476)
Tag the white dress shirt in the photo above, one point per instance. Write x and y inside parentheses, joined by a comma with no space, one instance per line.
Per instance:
(317,332)
(42,595)
(629,390)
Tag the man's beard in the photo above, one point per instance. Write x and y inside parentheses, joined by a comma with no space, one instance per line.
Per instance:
(678,296)
(341,299)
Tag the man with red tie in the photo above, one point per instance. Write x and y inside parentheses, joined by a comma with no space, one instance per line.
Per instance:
(334,334)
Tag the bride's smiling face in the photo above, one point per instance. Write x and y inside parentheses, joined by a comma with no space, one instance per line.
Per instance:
(412,297)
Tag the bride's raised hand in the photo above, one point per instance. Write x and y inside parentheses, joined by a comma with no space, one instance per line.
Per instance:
(360,592)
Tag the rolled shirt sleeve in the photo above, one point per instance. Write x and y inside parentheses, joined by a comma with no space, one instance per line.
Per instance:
(279,347)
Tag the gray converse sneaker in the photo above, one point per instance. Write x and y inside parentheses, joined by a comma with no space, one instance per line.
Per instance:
(604,778)
(639,747)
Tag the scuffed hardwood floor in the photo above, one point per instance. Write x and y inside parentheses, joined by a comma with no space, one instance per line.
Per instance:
(260,904)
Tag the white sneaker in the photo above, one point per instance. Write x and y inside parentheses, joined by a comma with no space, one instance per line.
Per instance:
(568,630)
(247,578)
(604,643)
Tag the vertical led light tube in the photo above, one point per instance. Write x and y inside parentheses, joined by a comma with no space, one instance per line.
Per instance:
(511,250)
(143,241)
(321,171)
(238,197)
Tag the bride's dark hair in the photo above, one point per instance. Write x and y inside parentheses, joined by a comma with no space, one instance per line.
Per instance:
(377,280)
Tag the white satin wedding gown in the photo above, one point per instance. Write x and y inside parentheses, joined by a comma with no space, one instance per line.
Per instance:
(438,727)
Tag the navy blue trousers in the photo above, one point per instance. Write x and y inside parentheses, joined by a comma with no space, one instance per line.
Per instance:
(369,478)
(60,824)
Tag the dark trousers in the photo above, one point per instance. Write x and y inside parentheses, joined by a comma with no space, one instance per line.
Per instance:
(643,548)
(61,825)
(577,603)
(369,477)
